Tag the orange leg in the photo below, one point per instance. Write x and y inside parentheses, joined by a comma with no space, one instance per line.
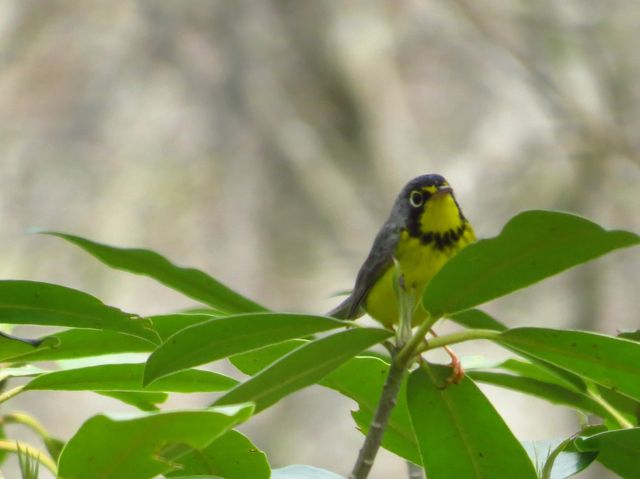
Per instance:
(458,372)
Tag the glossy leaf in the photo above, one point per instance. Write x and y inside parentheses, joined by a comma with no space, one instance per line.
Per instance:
(459,433)
(617,450)
(565,463)
(303,366)
(44,304)
(532,246)
(611,362)
(128,377)
(221,337)
(299,471)
(109,448)
(232,456)
(361,379)
(477,319)
(189,281)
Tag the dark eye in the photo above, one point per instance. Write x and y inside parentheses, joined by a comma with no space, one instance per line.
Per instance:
(416,199)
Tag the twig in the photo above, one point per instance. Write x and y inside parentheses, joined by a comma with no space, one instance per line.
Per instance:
(369,449)
(41,457)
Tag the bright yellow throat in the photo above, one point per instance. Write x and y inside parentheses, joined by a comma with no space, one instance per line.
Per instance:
(441,234)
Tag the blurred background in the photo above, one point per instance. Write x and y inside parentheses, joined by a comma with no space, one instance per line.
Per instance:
(264,142)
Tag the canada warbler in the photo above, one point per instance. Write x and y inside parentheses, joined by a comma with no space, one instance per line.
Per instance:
(426,228)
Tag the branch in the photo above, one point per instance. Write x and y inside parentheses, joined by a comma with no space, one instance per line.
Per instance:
(386,404)
(41,457)
(459,337)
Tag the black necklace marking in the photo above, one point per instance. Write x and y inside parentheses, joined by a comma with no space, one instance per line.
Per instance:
(444,240)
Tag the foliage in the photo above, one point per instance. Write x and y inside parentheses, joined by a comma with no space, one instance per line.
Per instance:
(451,431)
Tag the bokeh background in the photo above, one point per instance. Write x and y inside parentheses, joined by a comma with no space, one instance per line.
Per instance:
(264,142)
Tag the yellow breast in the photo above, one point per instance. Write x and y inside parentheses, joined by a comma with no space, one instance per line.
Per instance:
(443,233)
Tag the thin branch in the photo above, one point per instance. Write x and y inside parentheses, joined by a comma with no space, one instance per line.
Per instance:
(5,396)
(458,337)
(386,404)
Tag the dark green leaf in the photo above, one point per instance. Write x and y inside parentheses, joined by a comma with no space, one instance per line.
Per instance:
(140,448)
(549,392)
(303,472)
(189,281)
(128,377)
(459,433)
(617,450)
(303,366)
(231,456)
(361,379)
(145,401)
(30,302)
(565,463)
(476,319)
(532,246)
(611,362)
(222,337)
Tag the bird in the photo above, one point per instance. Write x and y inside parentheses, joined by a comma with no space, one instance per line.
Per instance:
(426,228)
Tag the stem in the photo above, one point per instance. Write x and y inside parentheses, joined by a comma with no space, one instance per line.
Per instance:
(458,337)
(409,349)
(372,442)
(25,420)
(5,396)
(615,414)
(41,457)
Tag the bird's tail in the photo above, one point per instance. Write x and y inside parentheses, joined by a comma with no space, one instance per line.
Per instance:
(345,310)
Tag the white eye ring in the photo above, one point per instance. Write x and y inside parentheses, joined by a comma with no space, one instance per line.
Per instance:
(416,199)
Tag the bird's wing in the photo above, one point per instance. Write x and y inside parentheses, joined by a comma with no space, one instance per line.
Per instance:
(379,259)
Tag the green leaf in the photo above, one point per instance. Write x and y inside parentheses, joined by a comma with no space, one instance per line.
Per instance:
(303,366)
(532,246)
(564,463)
(109,448)
(145,401)
(231,456)
(222,337)
(30,302)
(633,335)
(476,319)
(128,377)
(617,450)
(189,281)
(79,343)
(299,471)
(252,362)
(611,362)
(459,432)
(549,392)
(361,379)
